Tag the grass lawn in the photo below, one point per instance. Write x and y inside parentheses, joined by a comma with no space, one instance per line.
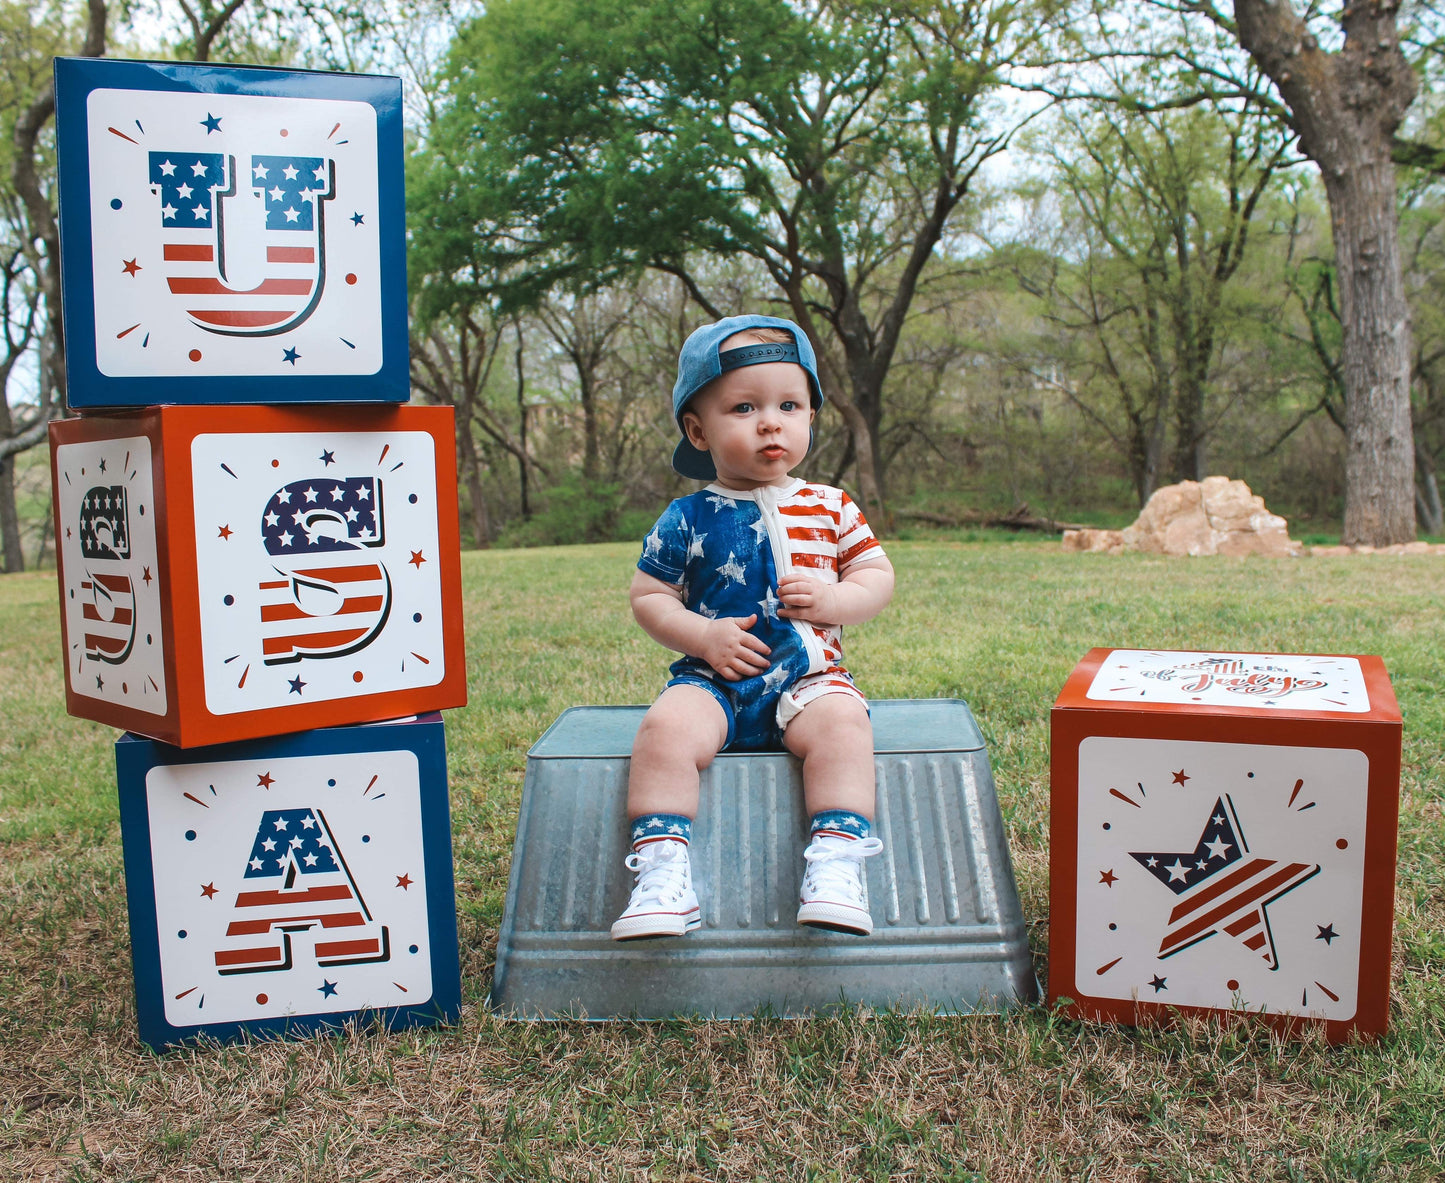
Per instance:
(877,1096)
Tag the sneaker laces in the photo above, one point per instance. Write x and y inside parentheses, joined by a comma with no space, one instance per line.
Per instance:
(834,866)
(662,873)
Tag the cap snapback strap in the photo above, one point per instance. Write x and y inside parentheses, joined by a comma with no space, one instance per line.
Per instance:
(755,355)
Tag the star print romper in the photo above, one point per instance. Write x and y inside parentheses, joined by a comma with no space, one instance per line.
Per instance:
(726,550)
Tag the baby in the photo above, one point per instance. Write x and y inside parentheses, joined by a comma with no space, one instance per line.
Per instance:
(752,579)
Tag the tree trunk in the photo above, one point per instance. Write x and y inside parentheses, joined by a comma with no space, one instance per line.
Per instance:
(9,519)
(1375,352)
(1346,107)
(1428,510)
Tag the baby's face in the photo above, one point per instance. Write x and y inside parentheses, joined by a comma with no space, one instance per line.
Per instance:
(753,421)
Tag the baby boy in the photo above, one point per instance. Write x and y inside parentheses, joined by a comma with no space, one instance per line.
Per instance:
(752,580)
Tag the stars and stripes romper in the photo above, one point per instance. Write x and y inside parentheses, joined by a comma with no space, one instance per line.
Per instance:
(726,550)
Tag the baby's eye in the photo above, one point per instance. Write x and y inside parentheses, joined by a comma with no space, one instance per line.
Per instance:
(743,409)
(789,405)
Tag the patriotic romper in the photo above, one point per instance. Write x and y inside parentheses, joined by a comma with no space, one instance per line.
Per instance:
(726,549)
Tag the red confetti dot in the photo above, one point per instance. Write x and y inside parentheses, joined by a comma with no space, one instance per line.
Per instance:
(124,689)
(284,133)
(1342,843)
(262,999)
(195,355)
(275,464)
(1231,984)
(351,277)
(356,677)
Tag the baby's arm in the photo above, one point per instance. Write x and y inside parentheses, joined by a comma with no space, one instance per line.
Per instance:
(860,595)
(724,643)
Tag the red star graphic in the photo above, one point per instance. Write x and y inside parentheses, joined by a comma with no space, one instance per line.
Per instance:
(131,267)
(226,532)
(403,881)
(1108,877)
(266,780)
(1180,778)
(146,576)
(416,560)
(208,890)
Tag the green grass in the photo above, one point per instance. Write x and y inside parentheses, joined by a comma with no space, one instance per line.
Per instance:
(854,1095)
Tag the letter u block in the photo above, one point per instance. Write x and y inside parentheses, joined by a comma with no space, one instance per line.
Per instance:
(281,885)
(1223,837)
(240,572)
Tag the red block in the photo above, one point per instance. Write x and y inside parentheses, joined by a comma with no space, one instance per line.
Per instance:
(237,572)
(1223,837)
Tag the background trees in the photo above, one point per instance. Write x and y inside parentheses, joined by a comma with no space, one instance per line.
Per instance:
(1145,285)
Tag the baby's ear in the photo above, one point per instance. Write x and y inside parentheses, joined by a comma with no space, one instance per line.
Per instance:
(692,425)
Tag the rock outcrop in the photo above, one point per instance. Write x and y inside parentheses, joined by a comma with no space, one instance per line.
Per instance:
(1217,516)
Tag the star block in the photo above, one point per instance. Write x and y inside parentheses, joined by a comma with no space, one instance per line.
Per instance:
(278,908)
(1212,814)
(220,581)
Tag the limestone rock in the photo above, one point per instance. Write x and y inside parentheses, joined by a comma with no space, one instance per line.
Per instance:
(1217,516)
(1105,542)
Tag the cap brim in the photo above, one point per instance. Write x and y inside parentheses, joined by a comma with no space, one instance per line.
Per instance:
(693,463)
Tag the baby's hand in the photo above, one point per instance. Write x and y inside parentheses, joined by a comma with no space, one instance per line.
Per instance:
(805,598)
(733,651)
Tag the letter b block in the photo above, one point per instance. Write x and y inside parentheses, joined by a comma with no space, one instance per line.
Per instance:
(229,574)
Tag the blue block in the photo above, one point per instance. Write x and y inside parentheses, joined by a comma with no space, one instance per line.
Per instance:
(230,234)
(283,885)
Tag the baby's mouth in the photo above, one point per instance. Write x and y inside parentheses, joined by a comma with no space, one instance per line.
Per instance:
(775,451)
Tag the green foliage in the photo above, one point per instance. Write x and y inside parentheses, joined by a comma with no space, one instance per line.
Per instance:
(576,510)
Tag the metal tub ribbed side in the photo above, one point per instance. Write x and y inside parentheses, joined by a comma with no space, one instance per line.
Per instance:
(949,933)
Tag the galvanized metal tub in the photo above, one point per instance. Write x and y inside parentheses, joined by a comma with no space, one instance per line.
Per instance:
(949,933)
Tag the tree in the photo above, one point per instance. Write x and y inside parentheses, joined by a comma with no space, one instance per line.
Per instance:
(830,142)
(1161,204)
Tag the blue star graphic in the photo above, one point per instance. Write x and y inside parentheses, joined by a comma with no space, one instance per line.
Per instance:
(1158,983)
(327,988)
(1327,933)
(328,458)
(356,219)
(296,684)
(292,356)
(211,123)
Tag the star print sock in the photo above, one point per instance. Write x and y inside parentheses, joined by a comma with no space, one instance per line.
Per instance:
(654,827)
(839,823)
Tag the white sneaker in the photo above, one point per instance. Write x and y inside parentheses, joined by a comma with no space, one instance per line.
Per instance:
(663,903)
(834,893)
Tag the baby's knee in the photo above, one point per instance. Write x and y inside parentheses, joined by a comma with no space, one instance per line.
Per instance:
(677,726)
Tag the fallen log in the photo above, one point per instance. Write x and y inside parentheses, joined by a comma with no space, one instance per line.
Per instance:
(1019,518)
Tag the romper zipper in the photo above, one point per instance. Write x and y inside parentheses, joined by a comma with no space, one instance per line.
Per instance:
(767,501)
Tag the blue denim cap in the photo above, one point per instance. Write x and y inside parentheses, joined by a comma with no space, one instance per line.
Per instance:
(699,363)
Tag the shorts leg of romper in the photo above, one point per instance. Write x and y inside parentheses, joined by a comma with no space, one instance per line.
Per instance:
(717,692)
(836,681)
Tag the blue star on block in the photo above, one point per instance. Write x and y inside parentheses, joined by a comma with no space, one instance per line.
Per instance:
(296,684)
(211,123)
(292,356)
(356,219)
(327,989)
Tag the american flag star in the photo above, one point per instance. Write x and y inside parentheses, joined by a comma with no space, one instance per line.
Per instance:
(1221,886)
(732,570)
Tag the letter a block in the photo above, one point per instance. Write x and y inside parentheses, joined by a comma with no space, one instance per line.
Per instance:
(233,574)
(281,885)
(1223,838)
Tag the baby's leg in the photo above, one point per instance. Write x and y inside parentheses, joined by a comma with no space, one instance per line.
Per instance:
(680,734)
(834,739)
(679,737)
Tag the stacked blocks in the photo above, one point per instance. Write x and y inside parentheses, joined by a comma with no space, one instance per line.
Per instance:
(1223,836)
(235,577)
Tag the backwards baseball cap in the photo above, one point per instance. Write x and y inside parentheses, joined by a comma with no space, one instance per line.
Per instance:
(700,362)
